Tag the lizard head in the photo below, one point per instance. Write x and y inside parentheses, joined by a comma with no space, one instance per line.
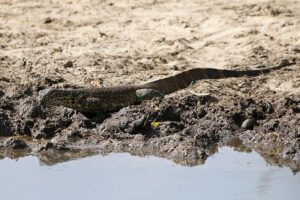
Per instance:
(49,97)
(145,94)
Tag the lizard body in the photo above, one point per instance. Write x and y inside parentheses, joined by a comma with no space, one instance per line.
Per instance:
(95,100)
(111,99)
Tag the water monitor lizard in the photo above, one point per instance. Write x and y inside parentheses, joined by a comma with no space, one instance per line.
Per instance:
(109,99)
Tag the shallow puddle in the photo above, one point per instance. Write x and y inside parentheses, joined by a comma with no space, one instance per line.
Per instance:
(225,175)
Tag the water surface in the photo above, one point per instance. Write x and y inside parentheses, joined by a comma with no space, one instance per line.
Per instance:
(225,175)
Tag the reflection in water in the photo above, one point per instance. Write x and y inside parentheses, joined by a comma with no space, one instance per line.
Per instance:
(52,157)
(237,145)
(121,176)
(13,154)
(265,182)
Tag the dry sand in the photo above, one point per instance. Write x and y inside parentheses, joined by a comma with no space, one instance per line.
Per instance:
(132,42)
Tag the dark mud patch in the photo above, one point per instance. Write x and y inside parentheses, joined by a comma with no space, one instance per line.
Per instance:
(186,129)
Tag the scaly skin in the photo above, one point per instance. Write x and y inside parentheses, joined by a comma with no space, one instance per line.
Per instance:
(96,100)
(114,98)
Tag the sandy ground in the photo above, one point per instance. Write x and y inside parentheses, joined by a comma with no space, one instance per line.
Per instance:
(126,42)
(131,42)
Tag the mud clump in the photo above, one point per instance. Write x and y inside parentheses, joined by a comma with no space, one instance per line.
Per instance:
(6,128)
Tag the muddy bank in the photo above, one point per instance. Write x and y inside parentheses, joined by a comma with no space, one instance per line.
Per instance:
(185,129)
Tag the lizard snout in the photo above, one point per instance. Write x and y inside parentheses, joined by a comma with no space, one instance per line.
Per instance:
(45,96)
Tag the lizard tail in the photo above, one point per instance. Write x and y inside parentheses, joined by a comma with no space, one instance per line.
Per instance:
(184,79)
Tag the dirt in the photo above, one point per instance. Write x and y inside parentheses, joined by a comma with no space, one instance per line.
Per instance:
(77,44)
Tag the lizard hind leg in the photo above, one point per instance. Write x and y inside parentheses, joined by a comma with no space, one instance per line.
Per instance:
(93,110)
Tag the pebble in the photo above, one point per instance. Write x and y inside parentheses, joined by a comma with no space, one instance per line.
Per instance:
(68,64)
(48,20)
(248,124)
(68,23)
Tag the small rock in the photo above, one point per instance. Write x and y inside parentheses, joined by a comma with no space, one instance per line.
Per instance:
(68,64)
(248,124)
(68,23)
(16,143)
(48,20)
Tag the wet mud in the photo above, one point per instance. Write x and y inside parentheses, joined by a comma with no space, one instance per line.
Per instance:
(186,129)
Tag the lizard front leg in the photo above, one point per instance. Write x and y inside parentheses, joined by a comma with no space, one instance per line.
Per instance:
(145,94)
(90,105)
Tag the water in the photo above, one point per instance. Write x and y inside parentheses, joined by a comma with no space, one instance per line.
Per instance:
(225,175)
